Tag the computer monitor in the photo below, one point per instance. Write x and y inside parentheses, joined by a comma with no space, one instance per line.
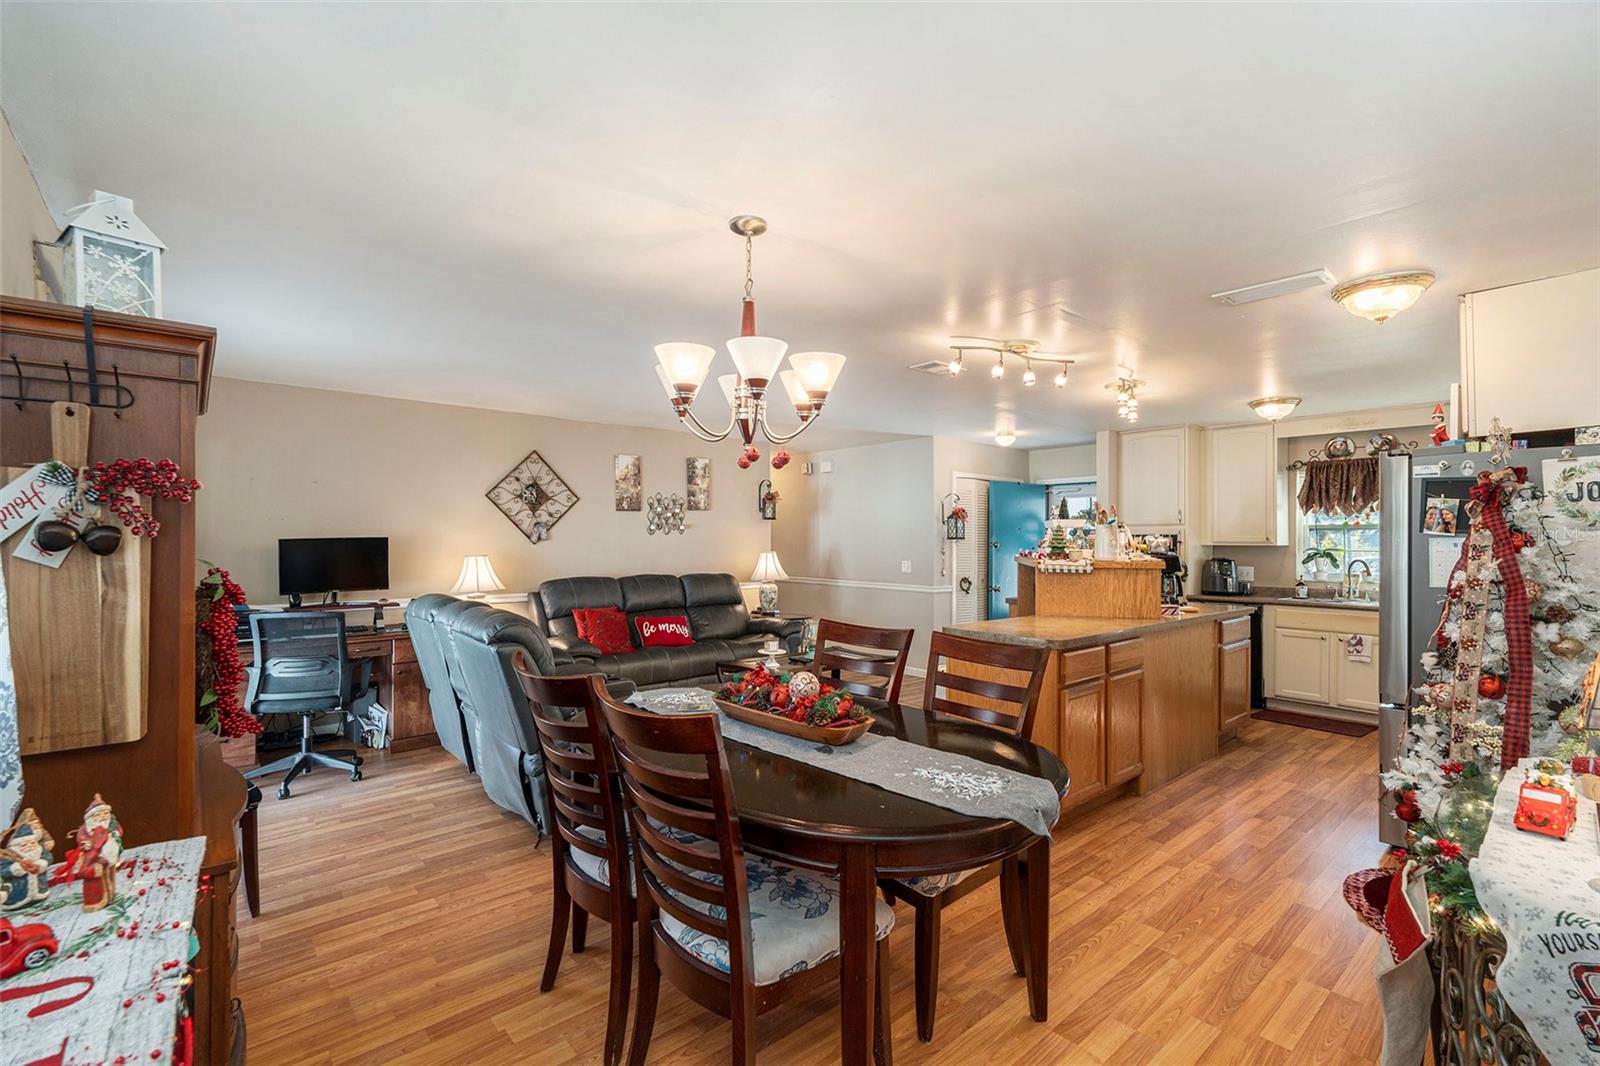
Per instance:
(331,565)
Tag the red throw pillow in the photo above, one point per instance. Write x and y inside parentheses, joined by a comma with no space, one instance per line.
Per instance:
(667,631)
(604,627)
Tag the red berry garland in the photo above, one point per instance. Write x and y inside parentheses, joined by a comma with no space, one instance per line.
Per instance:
(217,656)
(119,485)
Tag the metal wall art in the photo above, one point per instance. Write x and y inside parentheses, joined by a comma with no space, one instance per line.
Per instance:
(664,514)
(533,497)
(767,500)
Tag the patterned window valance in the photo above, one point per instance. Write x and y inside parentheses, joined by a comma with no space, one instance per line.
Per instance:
(1340,486)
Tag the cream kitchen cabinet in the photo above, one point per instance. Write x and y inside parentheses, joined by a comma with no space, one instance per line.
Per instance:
(1245,482)
(1158,482)
(1529,355)
(1309,659)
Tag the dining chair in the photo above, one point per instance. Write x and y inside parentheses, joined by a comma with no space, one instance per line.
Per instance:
(588,841)
(736,933)
(1000,688)
(835,641)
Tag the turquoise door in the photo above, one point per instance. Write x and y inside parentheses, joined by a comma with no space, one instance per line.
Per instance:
(1016,523)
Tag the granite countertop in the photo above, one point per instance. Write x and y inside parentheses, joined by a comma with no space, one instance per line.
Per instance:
(1067,634)
(1285,597)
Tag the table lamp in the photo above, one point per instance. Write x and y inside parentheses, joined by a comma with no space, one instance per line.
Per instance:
(769,570)
(477,578)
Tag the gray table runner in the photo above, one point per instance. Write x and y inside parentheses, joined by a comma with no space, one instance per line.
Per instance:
(954,782)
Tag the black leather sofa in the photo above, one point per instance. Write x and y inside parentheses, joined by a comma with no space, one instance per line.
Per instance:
(719,622)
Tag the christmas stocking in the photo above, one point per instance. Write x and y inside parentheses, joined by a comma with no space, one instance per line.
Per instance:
(1405,980)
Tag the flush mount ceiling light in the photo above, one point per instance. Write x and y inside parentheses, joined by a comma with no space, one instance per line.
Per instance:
(1005,438)
(683,368)
(1273,408)
(1382,296)
(1127,389)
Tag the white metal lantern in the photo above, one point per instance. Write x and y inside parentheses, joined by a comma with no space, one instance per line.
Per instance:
(110,259)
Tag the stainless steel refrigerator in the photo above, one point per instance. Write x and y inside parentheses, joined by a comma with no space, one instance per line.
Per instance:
(1415,566)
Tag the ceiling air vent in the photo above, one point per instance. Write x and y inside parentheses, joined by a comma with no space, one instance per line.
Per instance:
(932,366)
(1268,289)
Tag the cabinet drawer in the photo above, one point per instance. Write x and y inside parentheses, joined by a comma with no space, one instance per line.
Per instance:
(1124,655)
(1232,630)
(1081,665)
(403,651)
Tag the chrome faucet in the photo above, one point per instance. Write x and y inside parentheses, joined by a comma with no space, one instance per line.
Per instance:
(1352,583)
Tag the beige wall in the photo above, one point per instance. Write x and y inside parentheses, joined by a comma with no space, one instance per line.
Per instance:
(844,535)
(279,461)
(1279,567)
(24,218)
(1051,464)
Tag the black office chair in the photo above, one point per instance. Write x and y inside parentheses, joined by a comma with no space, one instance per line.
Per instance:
(301,667)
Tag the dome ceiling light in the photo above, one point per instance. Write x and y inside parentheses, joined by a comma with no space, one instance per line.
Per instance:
(1382,296)
(1272,408)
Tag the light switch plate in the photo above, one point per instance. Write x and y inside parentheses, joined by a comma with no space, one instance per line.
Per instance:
(905,566)
(1247,573)
(827,466)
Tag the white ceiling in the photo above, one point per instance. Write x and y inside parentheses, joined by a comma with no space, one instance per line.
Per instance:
(507,206)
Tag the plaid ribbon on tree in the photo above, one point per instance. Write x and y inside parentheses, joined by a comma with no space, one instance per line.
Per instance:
(1516,722)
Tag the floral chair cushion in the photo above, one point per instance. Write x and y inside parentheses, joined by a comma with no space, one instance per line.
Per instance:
(793,920)
(934,884)
(594,867)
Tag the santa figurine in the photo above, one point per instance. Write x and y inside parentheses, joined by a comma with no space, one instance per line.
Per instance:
(94,860)
(25,857)
(1441,436)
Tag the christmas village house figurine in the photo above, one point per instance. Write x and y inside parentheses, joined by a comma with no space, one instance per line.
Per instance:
(94,859)
(25,857)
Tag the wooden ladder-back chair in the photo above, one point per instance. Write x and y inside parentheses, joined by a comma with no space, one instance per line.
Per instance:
(696,883)
(1000,690)
(830,659)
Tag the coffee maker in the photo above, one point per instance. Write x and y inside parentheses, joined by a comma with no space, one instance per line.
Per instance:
(1220,577)
(1172,575)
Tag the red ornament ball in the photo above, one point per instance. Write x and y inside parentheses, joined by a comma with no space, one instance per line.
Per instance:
(1407,811)
(1491,686)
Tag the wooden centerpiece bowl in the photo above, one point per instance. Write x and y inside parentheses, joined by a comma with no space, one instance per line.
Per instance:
(821,734)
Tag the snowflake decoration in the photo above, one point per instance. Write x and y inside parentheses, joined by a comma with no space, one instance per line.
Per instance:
(963,783)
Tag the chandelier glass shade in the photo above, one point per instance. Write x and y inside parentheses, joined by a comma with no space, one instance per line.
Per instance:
(682,368)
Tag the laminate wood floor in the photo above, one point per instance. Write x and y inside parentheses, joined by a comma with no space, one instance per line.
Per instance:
(404,920)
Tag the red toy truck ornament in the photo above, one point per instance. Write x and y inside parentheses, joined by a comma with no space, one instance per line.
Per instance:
(1550,811)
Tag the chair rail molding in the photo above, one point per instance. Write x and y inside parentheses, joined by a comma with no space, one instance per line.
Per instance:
(877,586)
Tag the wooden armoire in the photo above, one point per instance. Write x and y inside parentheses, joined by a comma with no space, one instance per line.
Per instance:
(150,383)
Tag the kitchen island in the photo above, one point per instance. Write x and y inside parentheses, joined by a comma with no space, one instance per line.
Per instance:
(1131,703)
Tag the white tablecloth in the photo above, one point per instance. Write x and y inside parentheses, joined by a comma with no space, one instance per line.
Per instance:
(1544,894)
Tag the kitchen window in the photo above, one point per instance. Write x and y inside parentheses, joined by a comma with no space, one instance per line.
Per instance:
(1348,537)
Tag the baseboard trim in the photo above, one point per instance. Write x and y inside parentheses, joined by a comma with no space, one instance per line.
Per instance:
(873,586)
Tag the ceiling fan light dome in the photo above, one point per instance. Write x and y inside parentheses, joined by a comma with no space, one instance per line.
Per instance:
(1380,297)
(757,358)
(817,371)
(684,364)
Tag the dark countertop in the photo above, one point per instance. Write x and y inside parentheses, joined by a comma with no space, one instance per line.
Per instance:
(1285,598)
(1069,634)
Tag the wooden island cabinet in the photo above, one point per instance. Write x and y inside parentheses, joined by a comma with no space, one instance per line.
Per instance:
(1132,703)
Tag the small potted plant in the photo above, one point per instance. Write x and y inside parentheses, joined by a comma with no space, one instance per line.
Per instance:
(1322,563)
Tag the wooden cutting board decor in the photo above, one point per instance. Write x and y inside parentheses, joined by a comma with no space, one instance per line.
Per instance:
(79,635)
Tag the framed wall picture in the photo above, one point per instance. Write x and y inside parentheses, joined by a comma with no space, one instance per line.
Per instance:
(629,483)
(699,494)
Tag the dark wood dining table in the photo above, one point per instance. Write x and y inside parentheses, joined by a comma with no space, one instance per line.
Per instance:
(810,817)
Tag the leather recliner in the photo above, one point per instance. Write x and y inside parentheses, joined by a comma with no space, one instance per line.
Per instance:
(448,721)
(487,644)
(719,622)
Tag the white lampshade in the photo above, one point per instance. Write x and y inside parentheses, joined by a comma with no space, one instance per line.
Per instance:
(666,385)
(797,392)
(768,568)
(685,364)
(729,383)
(757,358)
(477,577)
(818,371)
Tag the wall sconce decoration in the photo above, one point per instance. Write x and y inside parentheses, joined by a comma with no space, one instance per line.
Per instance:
(955,517)
(664,514)
(767,500)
